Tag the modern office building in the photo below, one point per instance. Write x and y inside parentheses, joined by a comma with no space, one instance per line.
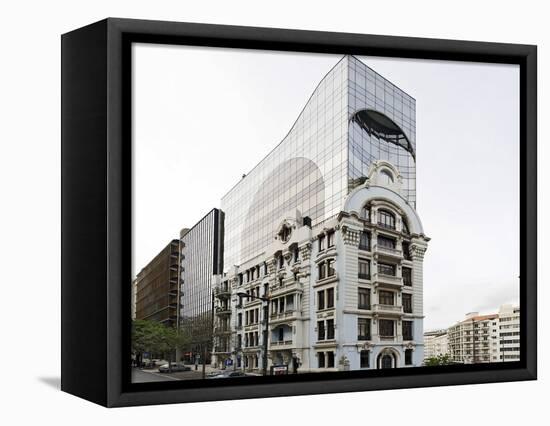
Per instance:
(353,118)
(325,228)
(155,289)
(201,261)
(436,343)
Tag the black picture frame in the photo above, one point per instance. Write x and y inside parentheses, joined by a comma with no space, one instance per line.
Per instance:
(96,209)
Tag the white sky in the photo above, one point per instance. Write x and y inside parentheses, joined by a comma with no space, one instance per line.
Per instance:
(203,117)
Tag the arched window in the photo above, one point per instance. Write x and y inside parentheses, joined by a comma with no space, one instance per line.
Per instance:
(386,177)
(386,219)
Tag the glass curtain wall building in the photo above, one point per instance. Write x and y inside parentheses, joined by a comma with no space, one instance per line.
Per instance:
(354,117)
(201,254)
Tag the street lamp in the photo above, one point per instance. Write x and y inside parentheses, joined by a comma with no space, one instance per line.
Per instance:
(266,331)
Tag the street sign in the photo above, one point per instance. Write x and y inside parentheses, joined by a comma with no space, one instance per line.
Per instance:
(228,362)
(277,370)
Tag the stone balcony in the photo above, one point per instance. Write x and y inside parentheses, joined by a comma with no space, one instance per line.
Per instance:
(281,345)
(381,309)
(388,252)
(387,280)
(222,310)
(222,293)
(289,315)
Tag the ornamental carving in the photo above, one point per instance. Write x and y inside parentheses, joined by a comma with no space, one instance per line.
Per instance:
(350,236)
(305,251)
(288,257)
(417,251)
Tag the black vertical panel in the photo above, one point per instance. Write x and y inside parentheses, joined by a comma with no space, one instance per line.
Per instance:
(83,212)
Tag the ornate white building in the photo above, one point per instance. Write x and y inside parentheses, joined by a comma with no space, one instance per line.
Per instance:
(324,238)
(343,294)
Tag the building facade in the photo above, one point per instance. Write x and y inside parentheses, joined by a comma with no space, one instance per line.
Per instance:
(324,237)
(353,118)
(436,343)
(201,260)
(508,329)
(486,338)
(155,291)
(475,339)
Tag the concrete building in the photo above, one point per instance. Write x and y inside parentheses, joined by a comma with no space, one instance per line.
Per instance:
(325,228)
(486,338)
(508,329)
(156,288)
(473,339)
(436,343)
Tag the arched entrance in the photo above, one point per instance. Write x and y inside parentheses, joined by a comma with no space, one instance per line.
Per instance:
(387,359)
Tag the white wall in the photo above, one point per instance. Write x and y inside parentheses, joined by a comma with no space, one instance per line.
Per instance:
(29,176)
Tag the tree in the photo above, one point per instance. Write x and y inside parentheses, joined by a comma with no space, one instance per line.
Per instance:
(144,338)
(439,360)
(154,337)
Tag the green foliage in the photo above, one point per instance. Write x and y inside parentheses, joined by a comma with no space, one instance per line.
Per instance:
(153,337)
(439,360)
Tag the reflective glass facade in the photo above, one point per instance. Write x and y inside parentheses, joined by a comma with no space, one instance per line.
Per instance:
(201,249)
(326,153)
(389,135)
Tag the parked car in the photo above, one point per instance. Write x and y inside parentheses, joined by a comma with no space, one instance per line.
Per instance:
(175,367)
(228,374)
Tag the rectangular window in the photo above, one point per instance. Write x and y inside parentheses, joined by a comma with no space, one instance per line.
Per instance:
(281,334)
(330,298)
(365,359)
(408,356)
(386,297)
(385,328)
(407,303)
(330,268)
(320,330)
(321,299)
(321,242)
(386,269)
(321,359)
(330,239)
(330,329)
(363,329)
(240,319)
(407,330)
(364,269)
(321,268)
(363,297)
(407,276)
(406,250)
(330,359)
(364,241)
(386,242)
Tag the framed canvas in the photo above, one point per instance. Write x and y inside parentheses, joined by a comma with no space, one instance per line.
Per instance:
(257,212)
